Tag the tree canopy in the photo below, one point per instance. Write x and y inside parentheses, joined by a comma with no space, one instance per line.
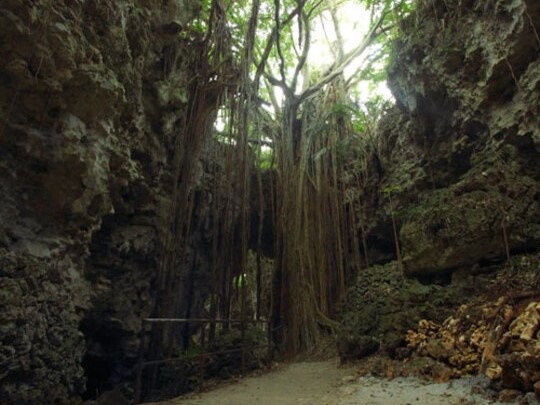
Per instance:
(297,115)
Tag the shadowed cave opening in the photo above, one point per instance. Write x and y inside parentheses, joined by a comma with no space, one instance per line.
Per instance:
(104,340)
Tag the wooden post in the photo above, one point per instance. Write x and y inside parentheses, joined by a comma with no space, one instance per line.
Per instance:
(140,366)
(213,316)
(269,337)
(243,324)
(201,358)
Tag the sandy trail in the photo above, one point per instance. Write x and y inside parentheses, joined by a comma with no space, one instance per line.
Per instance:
(324,383)
(296,383)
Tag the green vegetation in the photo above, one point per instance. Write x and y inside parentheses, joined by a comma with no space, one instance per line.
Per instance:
(284,110)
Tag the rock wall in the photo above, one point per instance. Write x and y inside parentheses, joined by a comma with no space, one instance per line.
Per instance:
(455,163)
(93,95)
(467,77)
(456,160)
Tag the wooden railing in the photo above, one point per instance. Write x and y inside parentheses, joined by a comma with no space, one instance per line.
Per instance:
(142,363)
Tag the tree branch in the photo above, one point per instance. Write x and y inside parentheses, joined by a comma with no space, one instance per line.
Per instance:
(366,65)
(278,41)
(272,38)
(315,6)
(335,71)
(261,142)
(339,36)
(305,51)
(250,36)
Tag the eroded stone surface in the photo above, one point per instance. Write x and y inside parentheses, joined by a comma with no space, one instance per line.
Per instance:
(456,163)
(477,98)
(92,97)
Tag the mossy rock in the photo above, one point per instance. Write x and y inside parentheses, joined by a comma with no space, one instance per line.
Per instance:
(355,347)
(383,306)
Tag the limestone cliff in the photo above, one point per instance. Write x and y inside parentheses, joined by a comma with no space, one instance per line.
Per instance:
(458,168)
(467,77)
(93,95)
(459,154)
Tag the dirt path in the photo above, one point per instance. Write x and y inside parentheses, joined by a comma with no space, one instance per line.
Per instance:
(297,383)
(324,383)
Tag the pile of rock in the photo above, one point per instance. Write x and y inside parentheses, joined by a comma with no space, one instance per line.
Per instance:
(500,339)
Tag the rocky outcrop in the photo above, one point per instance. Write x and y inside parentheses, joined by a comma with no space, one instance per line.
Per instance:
(41,345)
(484,321)
(455,166)
(458,157)
(93,95)
(383,305)
(476,100)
